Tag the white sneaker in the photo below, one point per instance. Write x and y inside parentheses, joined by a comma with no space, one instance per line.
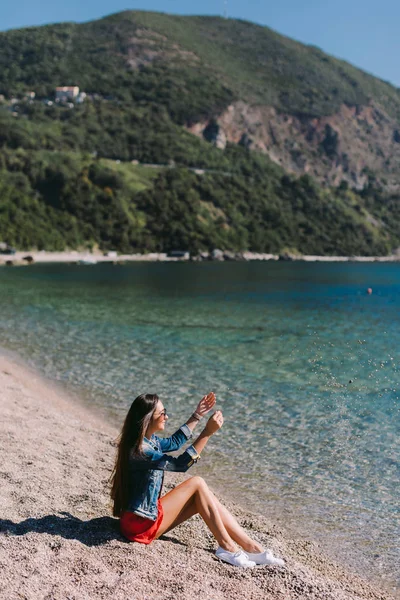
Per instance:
(237,559)
(265,558)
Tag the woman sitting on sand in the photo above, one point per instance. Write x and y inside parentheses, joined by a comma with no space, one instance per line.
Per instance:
(138,477)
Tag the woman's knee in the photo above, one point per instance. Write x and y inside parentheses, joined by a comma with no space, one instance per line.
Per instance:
(198,482)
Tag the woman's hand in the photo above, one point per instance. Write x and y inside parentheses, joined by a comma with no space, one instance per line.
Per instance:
(206,404)
(214,423)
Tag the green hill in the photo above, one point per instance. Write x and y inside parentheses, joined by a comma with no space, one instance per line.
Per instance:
(149,77)
(208,58)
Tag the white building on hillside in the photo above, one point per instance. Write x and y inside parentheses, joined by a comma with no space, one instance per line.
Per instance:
(81,97)
(66,93)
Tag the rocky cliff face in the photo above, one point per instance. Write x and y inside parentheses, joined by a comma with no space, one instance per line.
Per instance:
(349,145)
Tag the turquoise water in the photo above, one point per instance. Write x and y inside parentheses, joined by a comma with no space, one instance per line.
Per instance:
(304,363)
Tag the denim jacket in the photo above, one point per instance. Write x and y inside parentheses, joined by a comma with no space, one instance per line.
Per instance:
(146,472)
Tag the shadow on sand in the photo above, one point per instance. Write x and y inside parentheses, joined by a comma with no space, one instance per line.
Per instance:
(93,532)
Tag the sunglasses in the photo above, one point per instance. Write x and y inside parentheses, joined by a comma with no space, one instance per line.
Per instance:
(163,413)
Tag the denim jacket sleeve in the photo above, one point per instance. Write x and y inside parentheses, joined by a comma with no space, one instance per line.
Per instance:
(176,440)
(154,459)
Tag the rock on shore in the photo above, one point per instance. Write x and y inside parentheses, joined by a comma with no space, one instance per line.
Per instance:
(58,541)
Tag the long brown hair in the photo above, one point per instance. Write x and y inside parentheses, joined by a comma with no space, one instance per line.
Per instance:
(130,442)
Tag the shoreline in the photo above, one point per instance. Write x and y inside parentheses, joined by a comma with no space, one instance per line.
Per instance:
(58,540)
(84,257)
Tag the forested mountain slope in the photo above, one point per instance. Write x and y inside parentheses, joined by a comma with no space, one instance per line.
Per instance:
(202,93)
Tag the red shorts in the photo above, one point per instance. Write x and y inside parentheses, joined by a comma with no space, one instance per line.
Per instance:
(140,529)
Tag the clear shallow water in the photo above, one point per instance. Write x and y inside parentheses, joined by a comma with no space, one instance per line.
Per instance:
(304,363)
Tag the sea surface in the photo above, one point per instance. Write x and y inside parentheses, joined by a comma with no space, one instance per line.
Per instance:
(304,363)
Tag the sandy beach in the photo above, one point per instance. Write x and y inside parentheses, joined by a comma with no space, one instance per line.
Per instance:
(58,541)
(84,257)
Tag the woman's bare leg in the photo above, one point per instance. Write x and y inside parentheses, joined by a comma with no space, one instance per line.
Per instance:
(191,497)
(233,528)
(189,510)
(236,532)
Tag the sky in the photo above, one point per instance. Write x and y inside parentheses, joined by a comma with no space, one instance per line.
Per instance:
(363,32)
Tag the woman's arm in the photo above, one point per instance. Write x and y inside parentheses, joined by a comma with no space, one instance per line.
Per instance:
(154,459)
(157,461)
(184,433)
(203,407)
(214,423)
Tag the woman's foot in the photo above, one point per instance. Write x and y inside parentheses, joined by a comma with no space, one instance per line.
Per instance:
(265,558)
(237,559)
